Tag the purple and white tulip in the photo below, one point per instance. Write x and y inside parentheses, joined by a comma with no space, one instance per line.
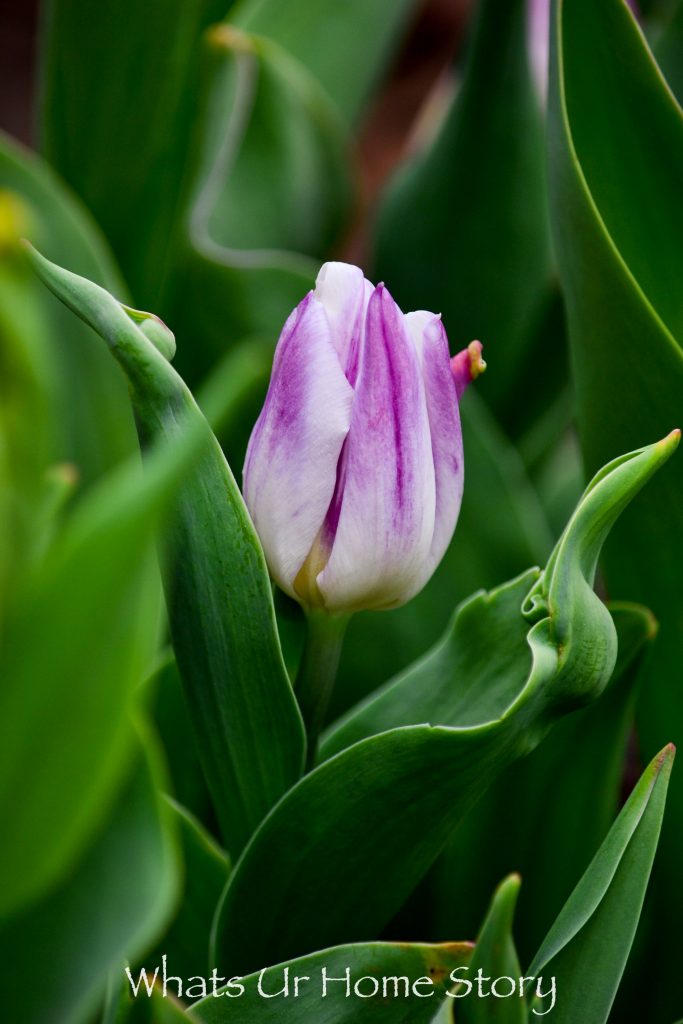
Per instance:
(354,471)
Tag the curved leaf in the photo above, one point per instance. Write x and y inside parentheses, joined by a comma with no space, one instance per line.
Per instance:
(96,598)
(547,805)
(616,162)
(464,228)
(90,110)
(206,870)
(592,936)
(345,46)
(269,193)
(667,49)
(384,807)
(496,957)
(91,424)
(432,965)
(248,726)
(117,896)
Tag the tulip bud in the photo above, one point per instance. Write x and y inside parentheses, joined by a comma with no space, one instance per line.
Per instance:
(354,471)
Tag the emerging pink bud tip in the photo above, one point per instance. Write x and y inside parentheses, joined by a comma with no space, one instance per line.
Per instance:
(467,366)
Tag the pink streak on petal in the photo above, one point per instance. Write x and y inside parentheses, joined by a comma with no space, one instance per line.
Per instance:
(386,520)
(446,435)
(291,463)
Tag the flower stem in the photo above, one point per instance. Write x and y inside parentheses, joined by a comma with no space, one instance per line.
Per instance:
(318,672)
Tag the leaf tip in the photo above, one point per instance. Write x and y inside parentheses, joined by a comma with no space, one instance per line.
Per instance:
(670,442)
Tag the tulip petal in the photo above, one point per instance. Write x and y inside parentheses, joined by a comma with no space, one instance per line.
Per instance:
(429,336)
(344,293)
(291,463)
(386,519)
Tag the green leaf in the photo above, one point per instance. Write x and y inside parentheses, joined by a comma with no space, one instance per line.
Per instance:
(485,549)
(399,963)
(232,161)
(480,666)
(88,106)
(667,49)
(158,1009)
(111,905)
(463,230)
(616,163)
(249,730)
(551,796)
(95,600)
(186,943)
(26,444)
(587,947)
(496,957)
(171,716)
(270,192)
(369,822)
(91,425)
(345,46)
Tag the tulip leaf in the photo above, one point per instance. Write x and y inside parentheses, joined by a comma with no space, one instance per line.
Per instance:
(369,821)
(245,716)
(171,716)
(206,870)
(587,947)
(398,962)
(270,192)
(231,161)
(26,438)
(486,548)
(117,896)
(344,45)
(91,425)
(96,597)
(667,49)
(495,955)
(476,671)
(89,109)
(463,229)
(616,162)
(564,811)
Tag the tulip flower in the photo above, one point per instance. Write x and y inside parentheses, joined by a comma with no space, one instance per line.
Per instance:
(354,471)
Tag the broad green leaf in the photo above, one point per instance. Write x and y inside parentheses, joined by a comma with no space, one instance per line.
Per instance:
(95,601)
(368,822)
(91,424)
(91,110)
(495,955)
(231,161)
(403,964)
(587,947)
(486,548)
(463,230)
(243,710)
(269,193)
(25,428)
(550,806)
(206,870)
(345,45)
(110,906)
(171,715)
(616,163)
